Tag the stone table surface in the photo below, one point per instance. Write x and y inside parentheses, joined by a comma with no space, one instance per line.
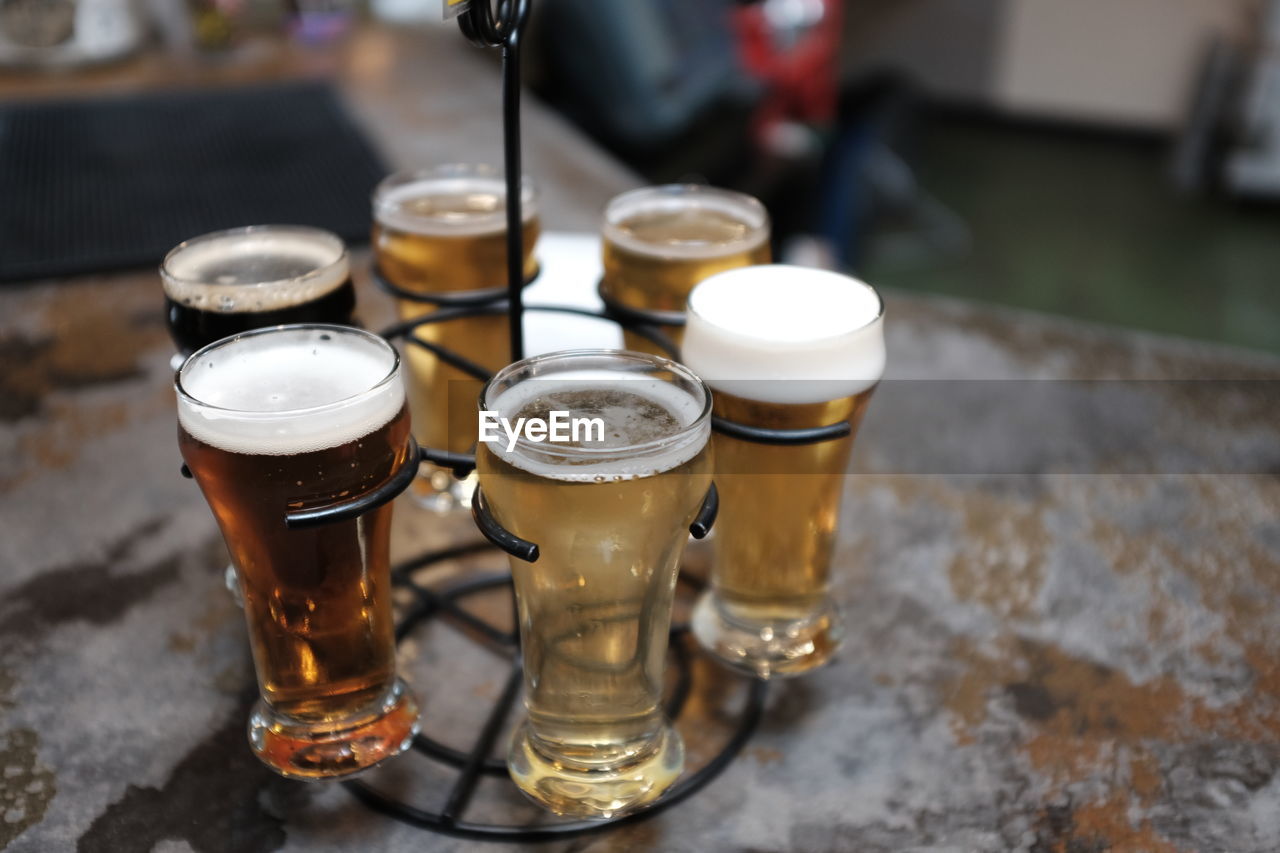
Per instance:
(1061,595)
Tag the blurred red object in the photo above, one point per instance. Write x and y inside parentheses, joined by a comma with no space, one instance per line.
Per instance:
(792,47)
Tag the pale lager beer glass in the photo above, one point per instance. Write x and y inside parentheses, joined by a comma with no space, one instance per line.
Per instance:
(610,514)
(661,241)
(783,348)
(444,231)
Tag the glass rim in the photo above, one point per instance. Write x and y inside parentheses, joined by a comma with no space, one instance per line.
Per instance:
(877,318)
(638,449)
(188,398)
(691,190)
(529,192)
(343,256)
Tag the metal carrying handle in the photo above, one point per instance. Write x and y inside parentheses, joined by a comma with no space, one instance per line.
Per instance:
(528,551)
(456,299)
(485,29)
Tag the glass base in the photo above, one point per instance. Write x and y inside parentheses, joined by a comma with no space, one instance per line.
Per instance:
(596,793)
(313,751)
(437,491)
(767,649)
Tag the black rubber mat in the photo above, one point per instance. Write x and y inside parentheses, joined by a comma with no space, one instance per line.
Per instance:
(115,182)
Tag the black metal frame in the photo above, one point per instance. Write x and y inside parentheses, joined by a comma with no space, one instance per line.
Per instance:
(485,28)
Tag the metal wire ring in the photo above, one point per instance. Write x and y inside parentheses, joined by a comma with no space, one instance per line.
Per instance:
(448,299)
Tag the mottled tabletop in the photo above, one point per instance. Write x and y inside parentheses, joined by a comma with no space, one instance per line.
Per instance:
(1059,565)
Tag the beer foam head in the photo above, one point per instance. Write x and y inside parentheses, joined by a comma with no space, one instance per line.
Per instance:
(260,268)
(651,424)
(785,334)
(289,389)
(448,202)
(686,221)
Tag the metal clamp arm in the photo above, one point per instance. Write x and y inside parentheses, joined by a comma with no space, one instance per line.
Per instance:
(346,510)
(707,515)
(528,551)
(522,549)
(461,464)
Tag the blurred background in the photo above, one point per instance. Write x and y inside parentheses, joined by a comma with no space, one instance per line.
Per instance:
(1112,160)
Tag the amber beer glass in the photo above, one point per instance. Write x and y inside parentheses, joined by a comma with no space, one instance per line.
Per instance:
(611,518)
(444,230)
(290,418)
(661,241)
(232,281)
(783,348)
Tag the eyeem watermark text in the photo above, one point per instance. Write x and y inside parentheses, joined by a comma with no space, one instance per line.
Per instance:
(557,428)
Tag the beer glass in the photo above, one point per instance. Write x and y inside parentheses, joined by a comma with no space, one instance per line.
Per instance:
(437,231)
(610,513)
(783,348)
(231,281)
(297,417)
(661,241)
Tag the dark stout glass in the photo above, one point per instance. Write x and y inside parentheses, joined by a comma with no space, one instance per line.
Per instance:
(228,282)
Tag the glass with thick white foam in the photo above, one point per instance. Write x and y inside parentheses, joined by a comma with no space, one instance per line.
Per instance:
(444,231)
(289,418)
(661,241)
(783,348)
(609,510)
